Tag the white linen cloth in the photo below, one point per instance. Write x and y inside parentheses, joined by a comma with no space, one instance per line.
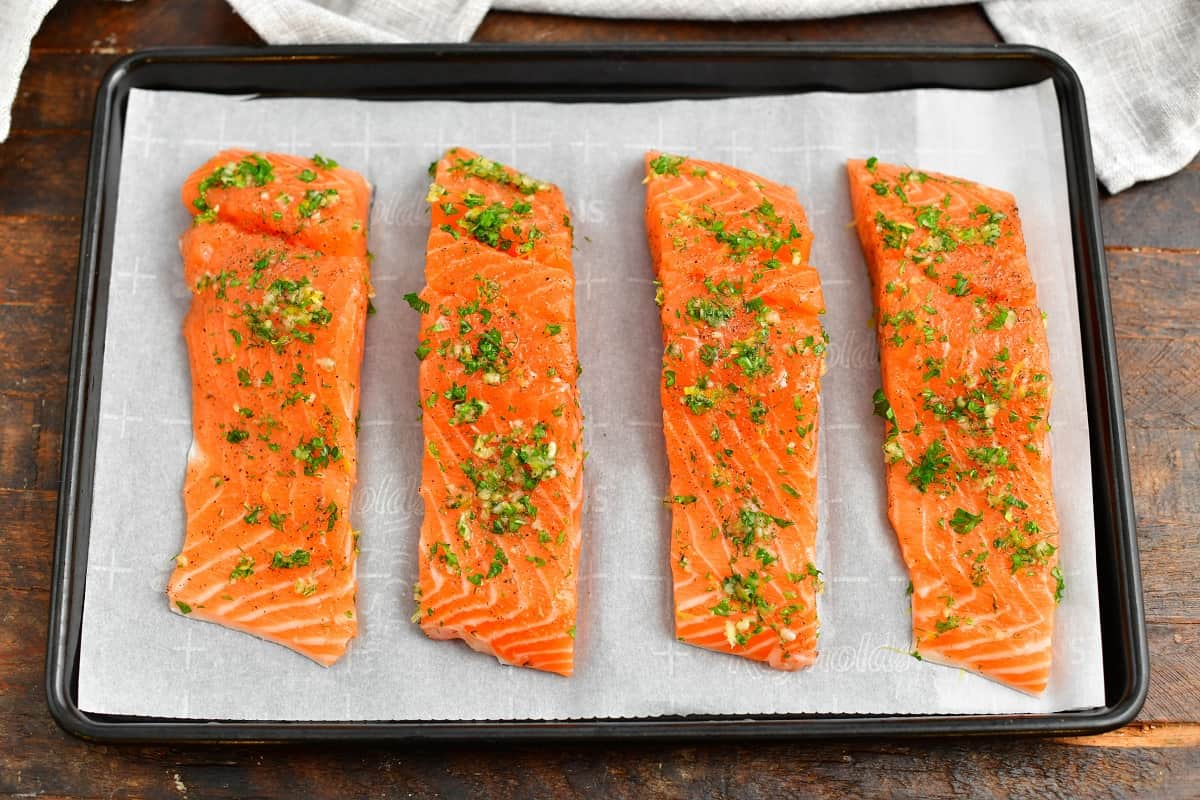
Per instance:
(19,21)
(1139,63)
(1140,67)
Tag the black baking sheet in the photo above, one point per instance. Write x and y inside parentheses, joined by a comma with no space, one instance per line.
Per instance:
(567,74)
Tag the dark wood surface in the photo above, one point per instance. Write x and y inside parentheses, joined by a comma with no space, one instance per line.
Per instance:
(1153,244)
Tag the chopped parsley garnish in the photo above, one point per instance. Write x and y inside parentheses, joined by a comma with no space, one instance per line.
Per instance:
(489,355)
(244,569)
(1038,553)
(235,435)
(884,410)
(992,456)
(701,397)
(1060,586)
(314,200)
(746,240)
(928,217)
(298,558)
(895,234)
(1001,318)
(324,163)
(253,170)
(1008,501)
(486,222)
(964,521)
(287,308)
(509,467)
(712,312)
(416,303)
(316,454)
(468,411)
(494,171)
(765,556)
(742,592)
(751,359)
(766,210)
(531,235)
(989,231)
(934,462)
(666,164)
(1022,552)
(307,175)
(499,561)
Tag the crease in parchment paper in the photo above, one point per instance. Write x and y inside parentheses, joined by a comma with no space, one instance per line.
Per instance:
(137,658)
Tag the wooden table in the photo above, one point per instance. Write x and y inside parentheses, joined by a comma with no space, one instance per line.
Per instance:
(1153,244)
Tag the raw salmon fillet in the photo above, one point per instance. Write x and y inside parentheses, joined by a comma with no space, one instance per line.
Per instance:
(277,264)
(744,351)
(966,399)
(502,477)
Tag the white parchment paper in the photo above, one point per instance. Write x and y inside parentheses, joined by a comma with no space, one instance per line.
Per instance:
(138,658)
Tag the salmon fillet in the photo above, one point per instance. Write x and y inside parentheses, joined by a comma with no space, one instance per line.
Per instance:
(966,401)
(277,264)
(502,477)
(744,351)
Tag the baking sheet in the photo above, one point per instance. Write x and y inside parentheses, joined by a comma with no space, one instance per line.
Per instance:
(137,658)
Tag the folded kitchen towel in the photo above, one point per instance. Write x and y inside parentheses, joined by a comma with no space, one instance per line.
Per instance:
(1139,62)
(362,21)
(1140,68)
(19,21)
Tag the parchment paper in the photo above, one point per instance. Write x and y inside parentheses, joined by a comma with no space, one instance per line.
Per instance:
(137,658)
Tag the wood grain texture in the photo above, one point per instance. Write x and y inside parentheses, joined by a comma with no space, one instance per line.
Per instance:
(42,173)
(107,27)
(1175,679)
(954,24)
(1154,257)
(1146,286)
(58,91)
(1160,214)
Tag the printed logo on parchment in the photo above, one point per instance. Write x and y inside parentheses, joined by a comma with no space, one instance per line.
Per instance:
(853,350)
(392,498)
(408,210)
(396,209)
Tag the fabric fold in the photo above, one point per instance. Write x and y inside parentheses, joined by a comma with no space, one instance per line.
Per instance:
(1140,71)
(19,21)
